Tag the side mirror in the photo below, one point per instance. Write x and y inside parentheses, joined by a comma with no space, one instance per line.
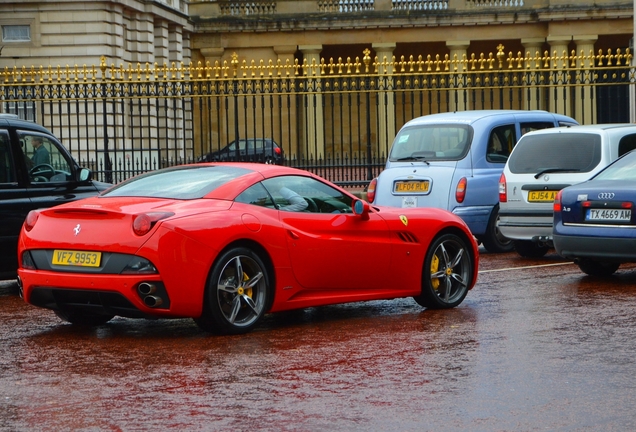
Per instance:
(361,208)
(85,174)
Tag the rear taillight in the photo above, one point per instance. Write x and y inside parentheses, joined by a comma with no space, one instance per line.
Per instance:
(460,191)
(371,190)
(277,150)
(143,222)
(557,202)
(31,219)
(502,189)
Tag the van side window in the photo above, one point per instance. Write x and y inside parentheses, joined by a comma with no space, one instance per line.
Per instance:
(626,144)
(7,172)
(533,126)
(500,143)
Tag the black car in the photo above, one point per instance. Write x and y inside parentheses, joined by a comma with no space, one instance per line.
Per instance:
(36,171)
(263,150)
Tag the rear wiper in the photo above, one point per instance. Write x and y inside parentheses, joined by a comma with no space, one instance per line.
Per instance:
(553,170)
(413,158)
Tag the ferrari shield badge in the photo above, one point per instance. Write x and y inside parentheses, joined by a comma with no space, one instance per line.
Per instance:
(404,220)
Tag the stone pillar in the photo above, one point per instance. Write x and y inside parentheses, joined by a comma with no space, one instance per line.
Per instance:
(289,109)
(313,119)
(161,36)
(386,104)
(585,108)
(175,45)
(458,53)
(535,95)
(559,94)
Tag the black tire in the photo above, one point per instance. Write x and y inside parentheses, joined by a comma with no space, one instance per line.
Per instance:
(238,294)
(493,240)
(448,269)
(597,268)
(82,318)
(530,249)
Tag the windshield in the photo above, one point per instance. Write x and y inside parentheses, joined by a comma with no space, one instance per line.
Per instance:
(556,152)
(187,182)
(431,142)
(623,169)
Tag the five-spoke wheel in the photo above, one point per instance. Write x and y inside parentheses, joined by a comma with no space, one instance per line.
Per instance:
(238,293)
(448,270)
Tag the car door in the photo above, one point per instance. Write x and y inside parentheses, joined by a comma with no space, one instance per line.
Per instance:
(330,247)
(14,205)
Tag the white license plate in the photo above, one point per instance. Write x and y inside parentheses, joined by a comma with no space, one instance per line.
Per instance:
(409,201)
(608,215)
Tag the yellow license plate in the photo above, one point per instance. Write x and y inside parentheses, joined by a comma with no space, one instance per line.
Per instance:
(76,258)
(541,196)
(411,186)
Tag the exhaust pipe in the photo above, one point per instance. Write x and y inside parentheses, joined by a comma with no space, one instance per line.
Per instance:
(153,301)
(146,288)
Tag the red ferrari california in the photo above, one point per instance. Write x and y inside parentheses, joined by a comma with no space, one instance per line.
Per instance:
(225,243)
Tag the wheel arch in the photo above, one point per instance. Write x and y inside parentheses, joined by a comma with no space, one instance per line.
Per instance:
(465,237)
(262,254)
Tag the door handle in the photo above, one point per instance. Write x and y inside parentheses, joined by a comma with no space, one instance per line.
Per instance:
(293,234)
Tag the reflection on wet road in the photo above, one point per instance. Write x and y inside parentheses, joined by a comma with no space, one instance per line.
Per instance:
(536,345)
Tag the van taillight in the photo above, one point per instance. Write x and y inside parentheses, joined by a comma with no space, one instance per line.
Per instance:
(371,190)
(557,202)
(460,192)
(502,189)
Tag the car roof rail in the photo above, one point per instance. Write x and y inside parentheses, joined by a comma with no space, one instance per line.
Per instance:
(7,115)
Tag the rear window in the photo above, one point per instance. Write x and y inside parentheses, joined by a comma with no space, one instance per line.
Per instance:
(189,182)
(575,152)
(432,142)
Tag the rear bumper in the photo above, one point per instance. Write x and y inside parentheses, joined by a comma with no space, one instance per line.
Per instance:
(606,248)
(526,227)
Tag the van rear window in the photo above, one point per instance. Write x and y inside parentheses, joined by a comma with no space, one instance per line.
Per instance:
(432,142)
(579,152)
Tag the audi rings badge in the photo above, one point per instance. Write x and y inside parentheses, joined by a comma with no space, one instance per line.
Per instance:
(606,195)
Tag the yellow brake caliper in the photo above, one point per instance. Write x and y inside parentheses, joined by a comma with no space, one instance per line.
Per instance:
(435,269)
(248,291)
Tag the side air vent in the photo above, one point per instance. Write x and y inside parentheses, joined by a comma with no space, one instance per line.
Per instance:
(407,237)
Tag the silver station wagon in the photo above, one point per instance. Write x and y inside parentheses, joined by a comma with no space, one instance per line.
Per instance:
(453,161)
(543,163)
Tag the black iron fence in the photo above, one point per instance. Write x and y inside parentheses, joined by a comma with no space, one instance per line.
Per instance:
(334,118)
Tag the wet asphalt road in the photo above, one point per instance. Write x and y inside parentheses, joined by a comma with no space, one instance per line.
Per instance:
(536,345)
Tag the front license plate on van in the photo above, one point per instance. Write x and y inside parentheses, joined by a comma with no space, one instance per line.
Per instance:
(608,215)
(416,186)
(541,196)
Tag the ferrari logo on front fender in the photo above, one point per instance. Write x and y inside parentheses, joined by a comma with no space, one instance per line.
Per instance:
(404,220)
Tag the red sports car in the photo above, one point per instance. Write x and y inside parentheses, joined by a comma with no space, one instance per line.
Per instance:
(225,243)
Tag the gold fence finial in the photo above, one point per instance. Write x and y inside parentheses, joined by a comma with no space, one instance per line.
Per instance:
(500,55)
(235,63)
